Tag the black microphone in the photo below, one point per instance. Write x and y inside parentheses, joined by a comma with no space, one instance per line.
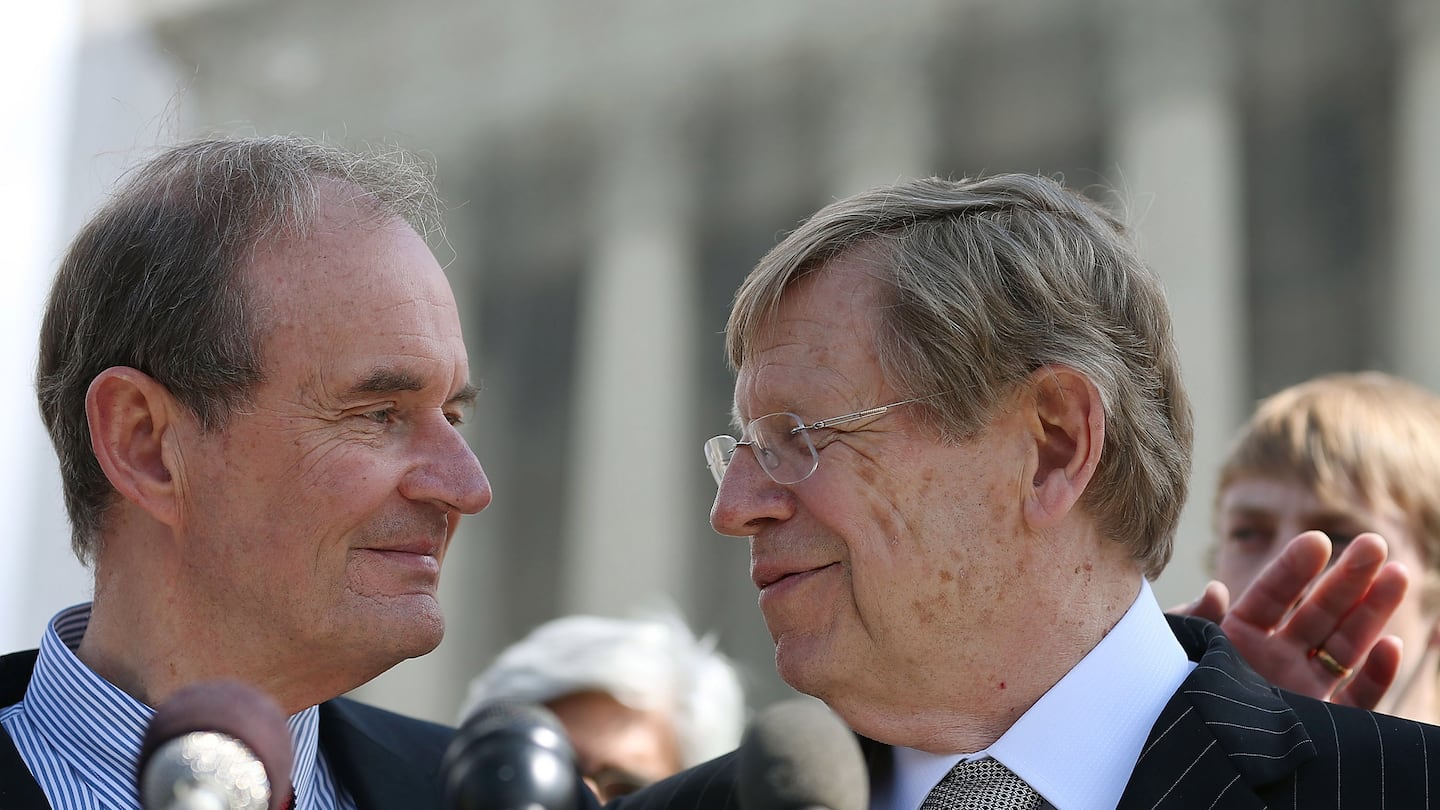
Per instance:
(216,745)
(798,755)
(511,756)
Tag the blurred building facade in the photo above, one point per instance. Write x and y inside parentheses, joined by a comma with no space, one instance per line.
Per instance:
(616,168)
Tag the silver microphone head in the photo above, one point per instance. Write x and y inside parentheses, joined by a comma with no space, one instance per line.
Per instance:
(205,770)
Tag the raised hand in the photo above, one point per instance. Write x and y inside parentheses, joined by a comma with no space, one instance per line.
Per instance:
(1314,630)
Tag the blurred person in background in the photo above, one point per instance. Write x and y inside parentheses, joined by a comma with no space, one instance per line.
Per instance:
(1338,456)
(639,698)
(252,371)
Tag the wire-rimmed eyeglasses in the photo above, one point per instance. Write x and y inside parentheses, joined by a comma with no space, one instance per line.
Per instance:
(782,444)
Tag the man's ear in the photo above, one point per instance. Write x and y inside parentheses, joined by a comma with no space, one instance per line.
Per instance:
(130,414)
(1068,428)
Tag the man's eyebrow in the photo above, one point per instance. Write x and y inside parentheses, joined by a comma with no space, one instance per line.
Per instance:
(385,381)
(390,380)
(466,396)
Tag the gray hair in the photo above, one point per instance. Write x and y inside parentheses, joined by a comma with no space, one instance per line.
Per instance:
(155,281)
(647,664)
(986,281)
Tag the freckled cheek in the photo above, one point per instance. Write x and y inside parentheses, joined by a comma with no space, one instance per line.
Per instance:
(935,606)
(884,503)
(910,514)
(913,546)
(970,554)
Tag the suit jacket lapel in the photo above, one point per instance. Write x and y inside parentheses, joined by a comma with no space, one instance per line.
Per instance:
(1225,733)
(18,789)
(375,774)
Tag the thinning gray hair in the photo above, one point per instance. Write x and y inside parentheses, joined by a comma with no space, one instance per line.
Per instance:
(986,281)
(156,281)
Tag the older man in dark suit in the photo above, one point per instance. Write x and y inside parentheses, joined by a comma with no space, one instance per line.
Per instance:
(964,446)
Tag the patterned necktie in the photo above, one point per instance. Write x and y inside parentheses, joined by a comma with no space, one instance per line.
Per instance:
(983,784)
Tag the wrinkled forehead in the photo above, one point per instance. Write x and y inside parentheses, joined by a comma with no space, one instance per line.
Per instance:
(775,291)
(355,283)
(348,260)
(820,344)
(848,289)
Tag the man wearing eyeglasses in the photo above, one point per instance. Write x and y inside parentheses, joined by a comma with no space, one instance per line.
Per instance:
(964,448)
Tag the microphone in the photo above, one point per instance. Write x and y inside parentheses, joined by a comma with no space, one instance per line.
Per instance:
(216,745)
(798,755)
(511,756)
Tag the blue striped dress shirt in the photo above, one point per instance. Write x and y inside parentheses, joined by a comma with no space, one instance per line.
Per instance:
(80,735)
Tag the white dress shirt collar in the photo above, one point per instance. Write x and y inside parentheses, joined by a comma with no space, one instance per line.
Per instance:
(96,728)
(1079,743)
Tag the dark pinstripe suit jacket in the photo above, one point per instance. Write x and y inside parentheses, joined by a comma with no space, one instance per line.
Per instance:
(385,760)
(1227,739)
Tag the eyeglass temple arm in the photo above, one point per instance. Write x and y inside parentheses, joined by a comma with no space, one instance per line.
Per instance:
(840,420)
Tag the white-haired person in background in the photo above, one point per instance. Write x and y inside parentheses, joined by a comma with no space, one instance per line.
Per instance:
(640,698)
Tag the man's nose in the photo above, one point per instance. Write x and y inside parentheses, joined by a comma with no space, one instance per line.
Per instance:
(448,472)
(748,498)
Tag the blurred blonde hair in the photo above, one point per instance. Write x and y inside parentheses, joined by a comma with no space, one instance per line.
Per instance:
(1364,435)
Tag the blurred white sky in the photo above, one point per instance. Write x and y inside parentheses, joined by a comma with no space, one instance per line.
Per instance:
(37,59)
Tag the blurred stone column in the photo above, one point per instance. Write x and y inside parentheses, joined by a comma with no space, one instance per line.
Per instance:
(635,457)
(1415,327)
(881,118)
(1175,143)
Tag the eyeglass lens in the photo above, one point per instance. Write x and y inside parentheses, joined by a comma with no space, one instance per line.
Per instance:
(782,447)
(718,451)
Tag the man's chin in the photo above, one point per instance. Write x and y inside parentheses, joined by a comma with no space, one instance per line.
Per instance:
(410,625)
(802,664)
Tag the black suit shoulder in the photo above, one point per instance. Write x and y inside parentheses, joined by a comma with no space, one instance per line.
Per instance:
(412,737)
(707,786)
(15,671)
(1227,740)
(387,760)
(1363,756)
(1230,739)
(382,758)
(18,790)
